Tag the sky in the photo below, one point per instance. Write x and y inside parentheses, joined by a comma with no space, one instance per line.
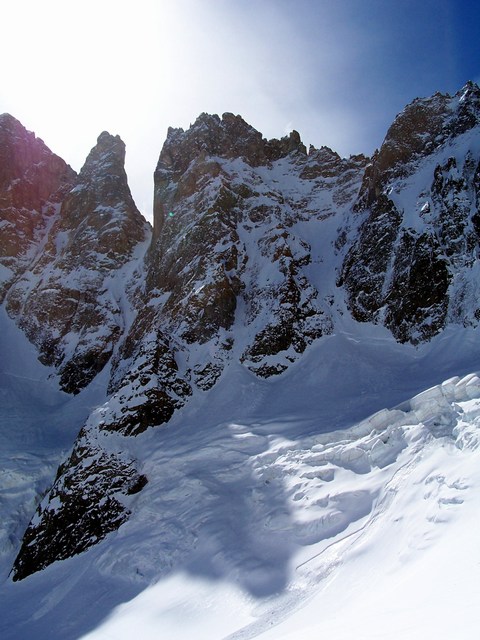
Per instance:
(337,72)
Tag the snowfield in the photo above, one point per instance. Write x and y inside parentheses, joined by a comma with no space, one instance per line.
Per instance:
(381,525)
(277,509)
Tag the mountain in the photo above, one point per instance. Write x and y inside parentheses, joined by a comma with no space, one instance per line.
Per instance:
(225,279)
(413,266)
(280,295)
(33,183)
(63,298)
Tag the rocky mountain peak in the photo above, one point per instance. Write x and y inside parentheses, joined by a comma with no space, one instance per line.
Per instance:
(106,154)
(105,168)
(63,301)
(8,121)
(18,143)
(412,263)
(189,159)
(419,129)
(210,135)
(101,194)
(240,275)
(226,137)
(30,173)
(13,133)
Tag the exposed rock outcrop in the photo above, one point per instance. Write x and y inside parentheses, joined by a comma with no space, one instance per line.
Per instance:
(223,210)
(33,184)
(73,301)
(256,247)
(89,500)
(413,266)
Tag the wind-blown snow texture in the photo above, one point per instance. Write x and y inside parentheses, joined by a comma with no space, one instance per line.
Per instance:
(221,374)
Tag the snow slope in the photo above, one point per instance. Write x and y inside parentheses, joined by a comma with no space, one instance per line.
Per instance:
(279,509)
(38,424)
(383,520)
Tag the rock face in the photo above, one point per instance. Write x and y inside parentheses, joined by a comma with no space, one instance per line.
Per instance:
(87,501)
(226,273)
(230,243)
(77,269)
(72,301)
(413,265)
(227,277)
(258,250)
(33,183)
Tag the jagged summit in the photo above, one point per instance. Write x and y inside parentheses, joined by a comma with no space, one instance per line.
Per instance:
(423,126)
(6,118)
(260,253)
(30,173)
(9,125)
(188,156)
(33,183)
(106,160)
(413,265)
(11,129)
(228,137)
(108,151)
(61,300)
(102,187)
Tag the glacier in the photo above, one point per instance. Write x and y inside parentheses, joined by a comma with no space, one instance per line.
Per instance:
(258,419)
(272,512)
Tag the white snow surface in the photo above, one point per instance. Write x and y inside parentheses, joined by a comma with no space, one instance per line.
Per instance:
(275,509)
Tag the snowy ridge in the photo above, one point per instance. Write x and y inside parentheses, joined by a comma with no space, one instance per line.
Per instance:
(413,264)
(214,392)
(403,475)
(266,528)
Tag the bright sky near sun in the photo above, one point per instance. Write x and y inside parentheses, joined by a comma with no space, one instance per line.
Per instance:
(338,72)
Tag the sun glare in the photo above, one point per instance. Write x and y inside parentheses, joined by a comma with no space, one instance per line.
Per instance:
(135,69)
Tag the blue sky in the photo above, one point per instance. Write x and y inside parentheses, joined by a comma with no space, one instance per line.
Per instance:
(338,72)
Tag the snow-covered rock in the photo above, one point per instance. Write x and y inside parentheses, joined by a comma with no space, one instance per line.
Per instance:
(75,299)
(33,183)
(414,264)
(260,252)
